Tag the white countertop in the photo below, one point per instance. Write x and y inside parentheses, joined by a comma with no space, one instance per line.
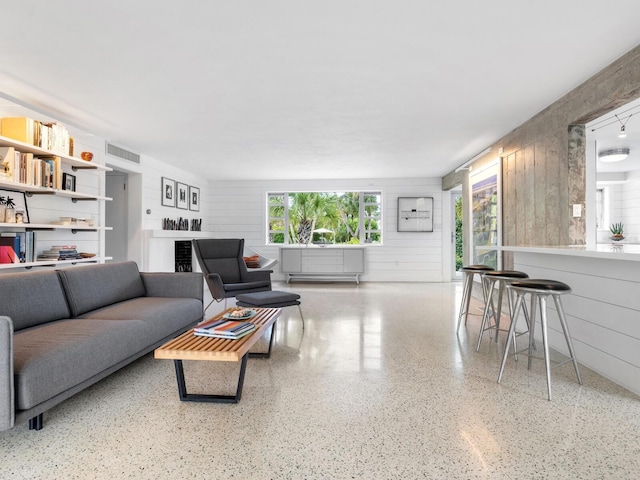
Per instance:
(318,247)
(621,251)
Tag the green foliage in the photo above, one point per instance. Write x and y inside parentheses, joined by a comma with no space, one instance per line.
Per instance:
(459,252)
(617,228)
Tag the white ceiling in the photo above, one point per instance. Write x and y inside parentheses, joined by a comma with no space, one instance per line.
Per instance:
(294,89)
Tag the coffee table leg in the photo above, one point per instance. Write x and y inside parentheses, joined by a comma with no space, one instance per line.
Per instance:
(266,354)
(200,397)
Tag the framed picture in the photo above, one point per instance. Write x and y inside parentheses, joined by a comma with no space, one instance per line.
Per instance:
(194,199)
(415,214)
(17,201)
(182,194)
(485,191)
(68,182)
(168,192)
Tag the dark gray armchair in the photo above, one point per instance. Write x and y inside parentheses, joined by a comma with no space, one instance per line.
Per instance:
(222,264)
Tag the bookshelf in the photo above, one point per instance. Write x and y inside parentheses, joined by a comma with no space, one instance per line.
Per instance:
(51,203)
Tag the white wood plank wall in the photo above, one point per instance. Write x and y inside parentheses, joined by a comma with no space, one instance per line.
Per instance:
(603,311)
(238,209)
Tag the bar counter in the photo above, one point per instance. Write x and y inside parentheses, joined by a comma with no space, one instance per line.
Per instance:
(603,310)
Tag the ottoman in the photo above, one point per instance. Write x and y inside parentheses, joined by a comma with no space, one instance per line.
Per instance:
(270,299)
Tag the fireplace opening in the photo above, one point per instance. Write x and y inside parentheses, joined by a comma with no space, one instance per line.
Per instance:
(183,261)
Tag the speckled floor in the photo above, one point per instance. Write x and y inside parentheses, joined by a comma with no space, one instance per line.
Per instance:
(378,387)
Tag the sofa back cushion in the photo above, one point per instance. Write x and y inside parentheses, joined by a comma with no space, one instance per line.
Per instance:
(32,298)
(96,286)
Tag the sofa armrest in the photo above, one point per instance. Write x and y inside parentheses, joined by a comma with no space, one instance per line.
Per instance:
(180,284)
(7,401)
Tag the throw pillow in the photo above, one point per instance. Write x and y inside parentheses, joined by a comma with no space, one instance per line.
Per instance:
(253,261)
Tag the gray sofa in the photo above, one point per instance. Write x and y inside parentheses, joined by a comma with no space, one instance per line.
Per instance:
(63,330)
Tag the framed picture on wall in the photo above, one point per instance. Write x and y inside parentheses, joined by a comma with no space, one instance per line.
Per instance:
(182,194)
(15,204)
(168,192)
(68,182)
(415,214)
(194,199)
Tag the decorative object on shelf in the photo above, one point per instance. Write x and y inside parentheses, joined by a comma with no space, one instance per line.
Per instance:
(182,193)
(194,199)
(179,224)
(88,156)
(69,182)
(196,225)
(168,193)
(415,214)
(13,202)
(617,230)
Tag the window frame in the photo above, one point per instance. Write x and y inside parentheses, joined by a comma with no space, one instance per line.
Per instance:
(365,219)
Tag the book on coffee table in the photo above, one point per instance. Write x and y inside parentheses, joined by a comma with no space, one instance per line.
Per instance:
(231,329)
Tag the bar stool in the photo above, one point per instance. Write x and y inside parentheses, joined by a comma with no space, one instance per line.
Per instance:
(467,285)
(539,291)
(501,278)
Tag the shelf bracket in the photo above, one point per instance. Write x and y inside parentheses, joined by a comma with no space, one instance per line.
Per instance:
(76,200)
(31,194)
(75,168)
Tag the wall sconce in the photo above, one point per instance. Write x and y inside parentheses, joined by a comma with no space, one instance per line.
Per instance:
(613,155)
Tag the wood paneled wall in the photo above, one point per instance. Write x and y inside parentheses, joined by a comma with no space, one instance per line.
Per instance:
(544,162)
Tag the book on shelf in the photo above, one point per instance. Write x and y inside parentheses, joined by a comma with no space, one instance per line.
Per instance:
(22,129)
(60,252)
(9,248)
(48,136)
(224,328)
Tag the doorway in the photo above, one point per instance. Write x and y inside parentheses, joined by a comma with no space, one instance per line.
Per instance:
(116,215)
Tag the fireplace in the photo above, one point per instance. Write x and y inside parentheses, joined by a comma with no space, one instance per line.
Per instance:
(183,260)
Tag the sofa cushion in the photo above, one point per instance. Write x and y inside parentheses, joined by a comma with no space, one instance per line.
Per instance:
(96,286)
(32,298)
(162,316)
(49,359)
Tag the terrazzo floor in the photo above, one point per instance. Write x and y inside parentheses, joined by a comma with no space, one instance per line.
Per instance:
(377,387)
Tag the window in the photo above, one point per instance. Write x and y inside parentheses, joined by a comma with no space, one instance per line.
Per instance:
(324,218)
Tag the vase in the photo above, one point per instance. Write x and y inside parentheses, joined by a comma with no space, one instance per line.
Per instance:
(10,215)
(2,213)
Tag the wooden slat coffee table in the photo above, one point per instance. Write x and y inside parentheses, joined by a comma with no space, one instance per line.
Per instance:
(192,347)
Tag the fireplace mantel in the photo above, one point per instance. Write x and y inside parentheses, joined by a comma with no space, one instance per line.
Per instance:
(159,248)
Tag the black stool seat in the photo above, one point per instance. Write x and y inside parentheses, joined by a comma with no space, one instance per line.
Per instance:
(268,299)
(542,284)
(476,268)
(506,274)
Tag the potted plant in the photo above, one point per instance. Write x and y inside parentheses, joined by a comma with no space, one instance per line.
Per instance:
(617,230)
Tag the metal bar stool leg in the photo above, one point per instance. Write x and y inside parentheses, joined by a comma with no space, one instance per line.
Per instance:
(467,284)
(532,327)
(301,316)
(545,341)
(567,337)
(488,304)
(510,334)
